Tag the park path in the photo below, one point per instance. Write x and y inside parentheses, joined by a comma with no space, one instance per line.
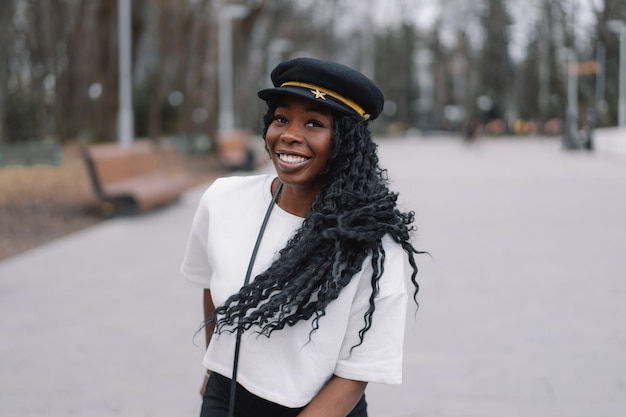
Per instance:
(521,307)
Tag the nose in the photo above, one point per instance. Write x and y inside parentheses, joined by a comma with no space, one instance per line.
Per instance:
(291,134)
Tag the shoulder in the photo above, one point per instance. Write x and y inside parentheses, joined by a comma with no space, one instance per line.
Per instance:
(396,267)
(237,183)
(236,187)
(394,252)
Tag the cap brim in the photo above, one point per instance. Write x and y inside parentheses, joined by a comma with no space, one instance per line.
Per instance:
(274,94)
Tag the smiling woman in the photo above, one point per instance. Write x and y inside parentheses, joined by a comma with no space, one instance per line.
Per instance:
(299,141)
(319,312)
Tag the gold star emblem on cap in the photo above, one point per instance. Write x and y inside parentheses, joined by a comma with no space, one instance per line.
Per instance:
(318,94)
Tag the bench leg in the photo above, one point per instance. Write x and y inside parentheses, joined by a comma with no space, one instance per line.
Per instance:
(118,206)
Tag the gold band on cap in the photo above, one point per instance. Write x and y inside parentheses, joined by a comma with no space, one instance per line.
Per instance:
(316,89)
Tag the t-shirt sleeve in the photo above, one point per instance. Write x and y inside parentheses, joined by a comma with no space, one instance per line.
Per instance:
(196,267)
(379,357)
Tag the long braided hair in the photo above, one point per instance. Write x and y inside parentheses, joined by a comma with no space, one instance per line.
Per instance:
(345,225)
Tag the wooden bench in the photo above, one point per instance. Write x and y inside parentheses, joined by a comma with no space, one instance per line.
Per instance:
(234,151)
(130,179)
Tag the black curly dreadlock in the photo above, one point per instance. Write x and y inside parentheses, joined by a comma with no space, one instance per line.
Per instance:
(345,225)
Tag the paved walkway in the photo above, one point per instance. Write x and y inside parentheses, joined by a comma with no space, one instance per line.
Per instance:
(522,302)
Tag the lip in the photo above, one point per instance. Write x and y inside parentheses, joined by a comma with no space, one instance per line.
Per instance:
(289,166)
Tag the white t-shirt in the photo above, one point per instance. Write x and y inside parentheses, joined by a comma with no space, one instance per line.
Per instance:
(291,367)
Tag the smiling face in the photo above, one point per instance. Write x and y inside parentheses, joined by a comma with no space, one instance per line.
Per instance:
(299,141)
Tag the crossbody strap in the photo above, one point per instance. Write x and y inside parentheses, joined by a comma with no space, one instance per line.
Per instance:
(233,383)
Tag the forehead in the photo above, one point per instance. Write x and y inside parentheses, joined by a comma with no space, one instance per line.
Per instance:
(301,104)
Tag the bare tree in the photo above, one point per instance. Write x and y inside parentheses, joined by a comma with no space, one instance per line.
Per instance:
(604,12)
(6,39)
(495,65)
(62,78)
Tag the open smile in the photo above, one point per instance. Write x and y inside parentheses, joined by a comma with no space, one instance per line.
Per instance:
(291,158)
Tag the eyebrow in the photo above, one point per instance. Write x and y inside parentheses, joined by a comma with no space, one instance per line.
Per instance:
(312,108)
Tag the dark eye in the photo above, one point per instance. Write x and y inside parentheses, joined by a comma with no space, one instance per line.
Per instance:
(280,119)
(314,123)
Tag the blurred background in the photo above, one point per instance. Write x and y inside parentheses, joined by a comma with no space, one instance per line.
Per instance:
(439,63)
(178,72)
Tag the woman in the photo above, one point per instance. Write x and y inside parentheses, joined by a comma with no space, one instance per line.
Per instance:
(323,312)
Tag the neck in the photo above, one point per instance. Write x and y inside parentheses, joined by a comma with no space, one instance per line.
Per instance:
(296,201)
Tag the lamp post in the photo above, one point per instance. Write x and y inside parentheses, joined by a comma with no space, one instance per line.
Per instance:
(571,117)
(226,118)
(125,112)
(619,27)
(275,52)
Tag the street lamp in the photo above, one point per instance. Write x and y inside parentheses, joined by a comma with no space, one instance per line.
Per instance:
(275,52)
(125,112)
(228,13)
(571,117)
(619,27)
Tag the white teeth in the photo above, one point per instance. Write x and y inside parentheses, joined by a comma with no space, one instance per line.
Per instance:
(291,159)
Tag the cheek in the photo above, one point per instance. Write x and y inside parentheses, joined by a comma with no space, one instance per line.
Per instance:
(272,133)
(326,147)
(270,138)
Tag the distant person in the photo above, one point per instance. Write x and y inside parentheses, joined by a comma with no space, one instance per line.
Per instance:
(471,130)
(324,311)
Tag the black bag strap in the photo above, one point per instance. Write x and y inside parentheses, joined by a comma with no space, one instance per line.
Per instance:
(233,382)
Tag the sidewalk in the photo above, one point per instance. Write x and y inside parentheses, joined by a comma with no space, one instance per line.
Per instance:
(100,324)
(521,308)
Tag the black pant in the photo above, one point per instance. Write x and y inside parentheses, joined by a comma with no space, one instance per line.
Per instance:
(217,394)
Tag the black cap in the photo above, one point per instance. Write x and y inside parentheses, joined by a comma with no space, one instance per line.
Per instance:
(328,83)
